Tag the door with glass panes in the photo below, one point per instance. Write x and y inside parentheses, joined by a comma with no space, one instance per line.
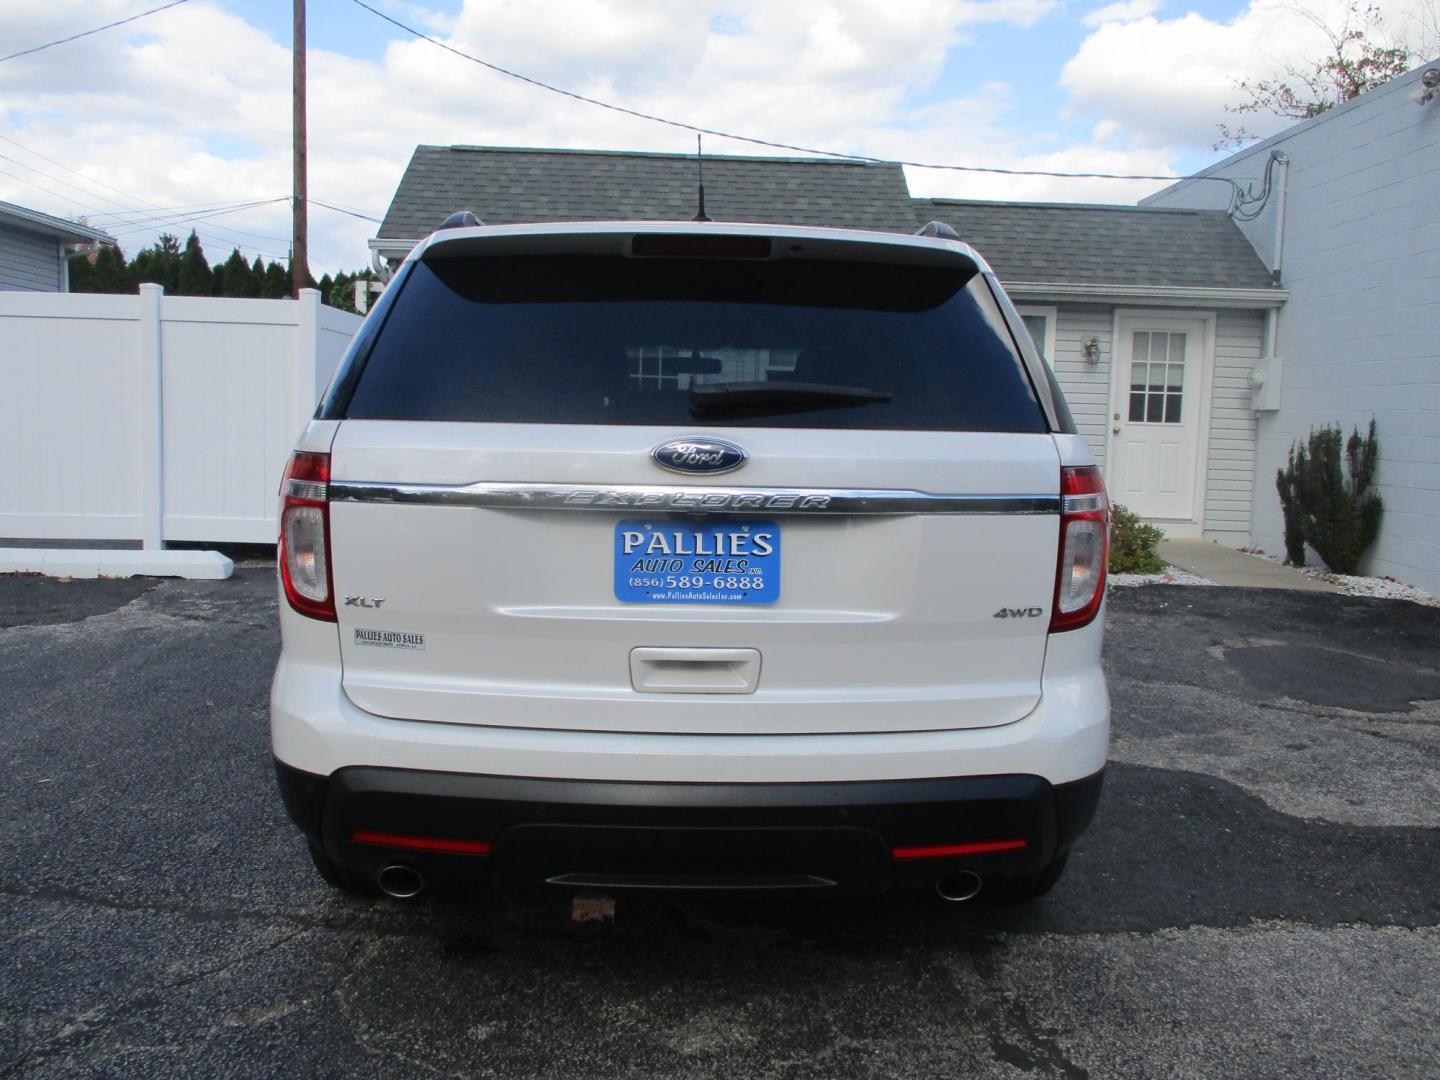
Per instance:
(1156,416)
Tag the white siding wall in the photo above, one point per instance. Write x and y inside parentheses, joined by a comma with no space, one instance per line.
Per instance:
(29,262)
(1239,341)
(239,380)
(1230,468)
(1086,386)
(1360,336)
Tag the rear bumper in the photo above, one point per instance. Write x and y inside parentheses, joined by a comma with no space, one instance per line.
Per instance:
(769,837)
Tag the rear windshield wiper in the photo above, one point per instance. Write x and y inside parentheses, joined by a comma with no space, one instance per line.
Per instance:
(776,397)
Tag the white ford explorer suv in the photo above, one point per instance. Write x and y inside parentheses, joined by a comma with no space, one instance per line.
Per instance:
(692,556)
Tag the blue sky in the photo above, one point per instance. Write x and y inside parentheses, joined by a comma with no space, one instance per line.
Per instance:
(191,106)
(1027,58)
(337,25)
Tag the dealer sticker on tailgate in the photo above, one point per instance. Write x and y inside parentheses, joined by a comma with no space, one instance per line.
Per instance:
(723,562)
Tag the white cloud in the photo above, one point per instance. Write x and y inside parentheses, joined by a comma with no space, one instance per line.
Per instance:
(196,108)
(1120,11)
(1168,81)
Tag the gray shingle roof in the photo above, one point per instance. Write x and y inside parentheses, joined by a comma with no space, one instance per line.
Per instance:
(505,186)
(1082,244)
(1076,244)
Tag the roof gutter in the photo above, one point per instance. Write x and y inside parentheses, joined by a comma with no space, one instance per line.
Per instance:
(1161,295)
(68,231)
(386,255)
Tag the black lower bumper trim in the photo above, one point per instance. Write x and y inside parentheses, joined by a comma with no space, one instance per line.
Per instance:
(801,837)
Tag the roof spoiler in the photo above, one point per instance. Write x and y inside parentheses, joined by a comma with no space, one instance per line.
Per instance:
(937,229)
(461,219)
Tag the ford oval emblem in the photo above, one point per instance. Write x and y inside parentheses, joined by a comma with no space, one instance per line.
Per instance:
(698,456)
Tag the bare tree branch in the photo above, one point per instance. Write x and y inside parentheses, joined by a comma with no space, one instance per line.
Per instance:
(1363,54)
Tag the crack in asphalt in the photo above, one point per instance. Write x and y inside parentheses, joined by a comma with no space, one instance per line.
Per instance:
(357,1030)
(1012,1033)
(96,1020)
(402,927)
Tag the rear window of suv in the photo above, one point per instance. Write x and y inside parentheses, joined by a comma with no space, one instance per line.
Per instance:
(602,339)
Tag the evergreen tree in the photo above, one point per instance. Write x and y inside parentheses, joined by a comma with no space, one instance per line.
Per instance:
(195,276)
(342,292)
(106,274)
(81,273)
(325,286)
(159,263)
(236,276)
(111,274)
(1329,505)
(277,282)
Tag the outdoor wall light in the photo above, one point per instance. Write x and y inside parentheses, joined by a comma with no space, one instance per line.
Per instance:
(1091,351)
(1429,86)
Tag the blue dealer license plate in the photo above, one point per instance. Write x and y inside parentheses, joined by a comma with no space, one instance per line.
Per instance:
(724,562)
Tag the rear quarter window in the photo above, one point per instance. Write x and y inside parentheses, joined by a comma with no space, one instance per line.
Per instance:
(614,340)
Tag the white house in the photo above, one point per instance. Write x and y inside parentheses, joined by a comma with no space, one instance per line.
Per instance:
(1153,319)
(1352,231)
(1153,322)
(34,249)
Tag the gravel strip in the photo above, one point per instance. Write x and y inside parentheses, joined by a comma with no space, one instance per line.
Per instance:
(1386,588)
(1171,575)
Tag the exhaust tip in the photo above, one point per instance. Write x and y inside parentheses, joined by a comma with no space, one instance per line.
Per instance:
(400,882)
(958,887)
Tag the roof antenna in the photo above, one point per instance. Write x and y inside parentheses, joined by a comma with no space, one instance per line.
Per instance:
(700,171)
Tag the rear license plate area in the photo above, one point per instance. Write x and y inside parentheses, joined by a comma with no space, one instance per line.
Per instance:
(661,561)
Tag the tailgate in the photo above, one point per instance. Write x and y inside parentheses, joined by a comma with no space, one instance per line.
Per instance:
(477,587)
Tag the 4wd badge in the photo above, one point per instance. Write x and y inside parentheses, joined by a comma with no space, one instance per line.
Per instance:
(1018,613)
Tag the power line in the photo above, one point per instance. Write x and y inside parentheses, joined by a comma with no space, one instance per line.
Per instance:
(129,220)
(87,33)
(773,144)
(123,228)
(151,219)
(343,210)
(213,204)
(223,232)
(204,234)
(120,191)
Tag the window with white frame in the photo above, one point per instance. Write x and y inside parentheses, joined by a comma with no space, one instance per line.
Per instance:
(1040,321)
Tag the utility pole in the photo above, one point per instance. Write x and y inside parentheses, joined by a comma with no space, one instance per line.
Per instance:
(299,250)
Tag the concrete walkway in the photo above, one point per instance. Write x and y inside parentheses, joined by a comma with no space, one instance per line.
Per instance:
(1226,566)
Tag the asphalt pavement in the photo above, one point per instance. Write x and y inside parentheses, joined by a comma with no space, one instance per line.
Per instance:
(1258,897)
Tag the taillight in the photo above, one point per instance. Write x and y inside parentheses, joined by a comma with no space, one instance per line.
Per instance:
(305,536)
(1084,548)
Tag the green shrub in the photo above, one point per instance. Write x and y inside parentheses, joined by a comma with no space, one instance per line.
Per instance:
(1329,506)
(1132,544)
(1286,485)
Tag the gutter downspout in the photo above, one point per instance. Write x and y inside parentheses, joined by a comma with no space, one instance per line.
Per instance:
(381,265)
(1283,165)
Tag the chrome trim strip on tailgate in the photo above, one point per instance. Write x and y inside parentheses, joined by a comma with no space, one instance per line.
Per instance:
(693,499)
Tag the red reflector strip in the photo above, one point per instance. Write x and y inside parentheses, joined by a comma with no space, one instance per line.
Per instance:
(946,851)
(422,843)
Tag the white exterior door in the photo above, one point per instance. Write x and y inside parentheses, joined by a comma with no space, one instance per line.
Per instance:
(1157,416)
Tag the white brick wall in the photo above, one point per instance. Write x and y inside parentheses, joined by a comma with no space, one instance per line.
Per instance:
(1360,336)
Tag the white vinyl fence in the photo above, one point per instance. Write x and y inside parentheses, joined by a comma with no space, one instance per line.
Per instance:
(153,417)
